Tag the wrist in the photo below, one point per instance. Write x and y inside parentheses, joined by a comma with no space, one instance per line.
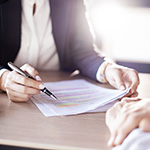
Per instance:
(3,80)
(107,71)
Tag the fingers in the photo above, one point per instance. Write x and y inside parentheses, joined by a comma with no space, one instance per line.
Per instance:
(135,81)
(129,100)
(16,78)
(131,79)
(18,97)
(125,116)
(122,77)
(31,71)
(111,116)
(112,113)
(124,125)
(119,80)
(20,88)
(111,142)
(18,92)
(134,94)
(125,129)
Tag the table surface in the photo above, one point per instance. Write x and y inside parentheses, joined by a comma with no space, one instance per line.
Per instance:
(22,124)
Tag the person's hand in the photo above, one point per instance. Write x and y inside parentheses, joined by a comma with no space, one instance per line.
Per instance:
(122,77)
(125,116)
(20,88)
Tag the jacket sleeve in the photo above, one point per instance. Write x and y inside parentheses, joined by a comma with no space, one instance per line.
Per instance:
(83,55)
(10,31)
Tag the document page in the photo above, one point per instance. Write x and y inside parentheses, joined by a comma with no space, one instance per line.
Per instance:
(75,97)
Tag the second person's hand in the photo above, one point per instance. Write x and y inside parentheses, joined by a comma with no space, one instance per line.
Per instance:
(125,116)
(122,77)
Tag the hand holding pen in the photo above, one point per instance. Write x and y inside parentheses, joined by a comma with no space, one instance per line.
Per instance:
(20,88)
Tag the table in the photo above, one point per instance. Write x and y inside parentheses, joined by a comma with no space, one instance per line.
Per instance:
(22,124)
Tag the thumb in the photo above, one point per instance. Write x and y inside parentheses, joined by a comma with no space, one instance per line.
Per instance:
(119,81)
(145,125)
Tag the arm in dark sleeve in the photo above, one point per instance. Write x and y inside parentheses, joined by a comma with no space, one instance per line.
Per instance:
(83,55)
(10,31)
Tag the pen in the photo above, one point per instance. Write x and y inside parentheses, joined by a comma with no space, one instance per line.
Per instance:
(20,71)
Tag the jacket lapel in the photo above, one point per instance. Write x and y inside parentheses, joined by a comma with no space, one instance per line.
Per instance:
(11,29)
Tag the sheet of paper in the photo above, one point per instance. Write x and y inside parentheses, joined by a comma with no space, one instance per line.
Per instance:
(74,97)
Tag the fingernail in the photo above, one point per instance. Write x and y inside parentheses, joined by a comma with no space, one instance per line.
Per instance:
(37,77)
(117,140)
(110,142)
(132,91)
(41,86)
(122,87)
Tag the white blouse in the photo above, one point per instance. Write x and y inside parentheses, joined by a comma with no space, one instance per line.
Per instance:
(37,43)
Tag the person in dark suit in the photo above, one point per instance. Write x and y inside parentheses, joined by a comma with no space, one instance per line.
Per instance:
(51,35)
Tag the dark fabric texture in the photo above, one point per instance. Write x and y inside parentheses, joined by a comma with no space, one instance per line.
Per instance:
(71,34)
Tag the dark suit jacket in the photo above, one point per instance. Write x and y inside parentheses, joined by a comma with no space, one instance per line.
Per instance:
(71,34)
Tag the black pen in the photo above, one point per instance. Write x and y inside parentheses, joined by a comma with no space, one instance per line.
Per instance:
(18,70)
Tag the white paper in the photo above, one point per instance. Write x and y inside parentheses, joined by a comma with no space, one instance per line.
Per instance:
(75,97)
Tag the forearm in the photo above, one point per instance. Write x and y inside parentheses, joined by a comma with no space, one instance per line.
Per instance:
(84,57)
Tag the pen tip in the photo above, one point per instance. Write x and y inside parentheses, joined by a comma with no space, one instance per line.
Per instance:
(46,91)
(54,97)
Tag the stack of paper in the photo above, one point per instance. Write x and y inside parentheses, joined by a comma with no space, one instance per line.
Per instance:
(74,97)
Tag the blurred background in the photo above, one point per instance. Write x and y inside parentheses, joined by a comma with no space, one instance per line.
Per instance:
(121,29)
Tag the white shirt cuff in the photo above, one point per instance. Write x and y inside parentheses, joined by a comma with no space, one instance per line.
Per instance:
(2,71)
(100,75)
